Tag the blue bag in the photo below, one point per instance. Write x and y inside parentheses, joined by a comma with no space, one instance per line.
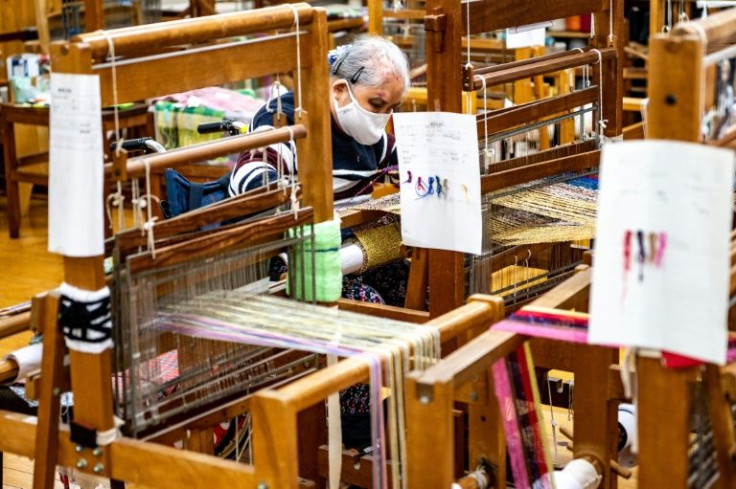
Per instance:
(183,195)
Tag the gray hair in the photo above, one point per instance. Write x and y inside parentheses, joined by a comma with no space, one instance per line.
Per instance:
(368,61)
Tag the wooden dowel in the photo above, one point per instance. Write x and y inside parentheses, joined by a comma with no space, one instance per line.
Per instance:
(541,66)
(130,40)
(136,167)
(719,28)
(523,62)
(508,178)
(15,324)
(534,111)
(8,370)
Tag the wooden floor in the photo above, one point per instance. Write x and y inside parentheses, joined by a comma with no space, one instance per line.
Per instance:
(27,268)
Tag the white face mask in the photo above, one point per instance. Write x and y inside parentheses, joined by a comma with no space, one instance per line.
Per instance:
(362,125)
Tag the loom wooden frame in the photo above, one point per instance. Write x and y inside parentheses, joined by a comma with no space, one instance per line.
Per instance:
(445,25)
(677,84)
(158,74)
(464,376)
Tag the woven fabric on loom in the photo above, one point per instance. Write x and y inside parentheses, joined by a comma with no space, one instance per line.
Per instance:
(543,212)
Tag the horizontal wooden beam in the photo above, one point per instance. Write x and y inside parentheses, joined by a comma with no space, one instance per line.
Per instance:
(497,121)
(384,311)
(151,76)
(133,40)
(529,173)
(491,15)
(546,155)
(541,66)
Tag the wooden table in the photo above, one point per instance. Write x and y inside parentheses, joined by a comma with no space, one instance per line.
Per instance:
(34,168)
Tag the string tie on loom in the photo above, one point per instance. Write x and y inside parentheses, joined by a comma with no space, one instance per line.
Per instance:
(602,123)
(298,108)
(294,186)
(150,221)
(117,199)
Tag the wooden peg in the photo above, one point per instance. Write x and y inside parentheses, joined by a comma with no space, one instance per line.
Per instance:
(620,470)
(120,164)
(38,305)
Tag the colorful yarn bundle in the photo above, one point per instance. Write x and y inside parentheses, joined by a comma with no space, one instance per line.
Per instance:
(518,396)
(542,322)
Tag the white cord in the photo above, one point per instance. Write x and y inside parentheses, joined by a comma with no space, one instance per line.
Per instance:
(294,176)
(644,109)
(602,123)
(552,420)
(467,38)
(610,23)
(298,108)
(148,225)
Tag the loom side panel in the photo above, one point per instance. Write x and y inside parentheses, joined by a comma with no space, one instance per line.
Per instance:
(168,468)
(489,15)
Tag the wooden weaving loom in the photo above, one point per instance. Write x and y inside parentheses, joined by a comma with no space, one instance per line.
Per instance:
(446,24)
(155,76)
(275,454)
(444,80)
(464,377)
(681,88)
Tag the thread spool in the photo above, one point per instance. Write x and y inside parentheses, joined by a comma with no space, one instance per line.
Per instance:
(578,474)
(381,244)
(627,439)
(26,359)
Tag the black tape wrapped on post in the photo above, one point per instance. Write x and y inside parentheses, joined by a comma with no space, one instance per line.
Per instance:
(85,319)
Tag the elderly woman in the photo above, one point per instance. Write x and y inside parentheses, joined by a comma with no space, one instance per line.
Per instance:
(368,80)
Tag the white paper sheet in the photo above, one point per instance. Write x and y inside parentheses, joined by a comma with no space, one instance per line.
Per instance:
(526,36)
(76,209)
(439,146)
(671,202)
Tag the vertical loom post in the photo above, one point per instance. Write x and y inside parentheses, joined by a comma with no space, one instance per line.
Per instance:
(375,17)
(429,407)
(444,26)
(596,418)
(676,87)
(663,423)
(485,431)
(316,149)
(42,24)
(275,448)
(52,371)
(90,373)
(656,16)
(613,81)
(94,16)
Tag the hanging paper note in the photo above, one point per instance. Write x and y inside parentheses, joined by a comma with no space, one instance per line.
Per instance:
(440,180)
(661,263)
(527,36)
(76,217)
